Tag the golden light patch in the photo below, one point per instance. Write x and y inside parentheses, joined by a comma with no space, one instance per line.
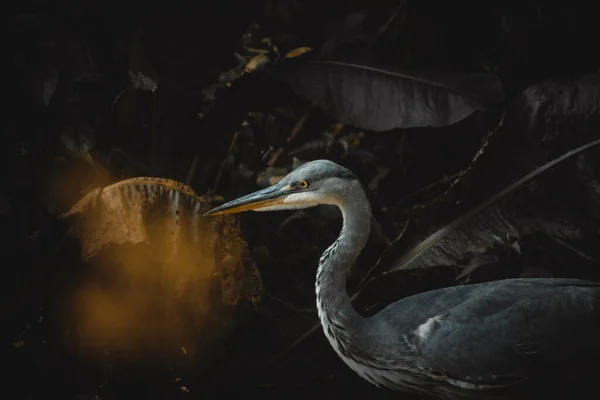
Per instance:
(151,272)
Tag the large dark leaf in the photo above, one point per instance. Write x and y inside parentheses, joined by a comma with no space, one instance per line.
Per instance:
(381,98)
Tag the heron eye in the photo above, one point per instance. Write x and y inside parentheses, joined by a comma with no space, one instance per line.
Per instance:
(303,184)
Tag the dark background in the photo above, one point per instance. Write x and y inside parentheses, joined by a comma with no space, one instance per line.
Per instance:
(68,64)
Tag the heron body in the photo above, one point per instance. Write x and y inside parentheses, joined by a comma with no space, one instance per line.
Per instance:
(502,339)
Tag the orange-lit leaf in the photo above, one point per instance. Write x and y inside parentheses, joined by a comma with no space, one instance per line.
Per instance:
(133,210)
(150,236)
(256,62)
(298,52)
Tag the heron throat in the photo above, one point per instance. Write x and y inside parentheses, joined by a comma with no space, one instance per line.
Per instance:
(337,315)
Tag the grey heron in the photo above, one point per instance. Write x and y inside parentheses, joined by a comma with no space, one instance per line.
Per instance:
(499,339)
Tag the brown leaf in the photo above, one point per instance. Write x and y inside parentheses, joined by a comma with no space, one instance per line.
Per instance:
(298,52)
(256,62)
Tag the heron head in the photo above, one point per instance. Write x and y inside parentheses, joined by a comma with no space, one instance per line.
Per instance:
(316,182)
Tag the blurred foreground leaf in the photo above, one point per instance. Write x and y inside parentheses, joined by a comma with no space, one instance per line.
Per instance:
(167,216)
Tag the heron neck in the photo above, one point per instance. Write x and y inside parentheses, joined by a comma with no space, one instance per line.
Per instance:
(333,303)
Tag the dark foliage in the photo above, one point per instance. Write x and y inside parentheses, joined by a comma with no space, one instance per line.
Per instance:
(208,94)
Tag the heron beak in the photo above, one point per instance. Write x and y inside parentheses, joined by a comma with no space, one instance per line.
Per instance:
(269,196)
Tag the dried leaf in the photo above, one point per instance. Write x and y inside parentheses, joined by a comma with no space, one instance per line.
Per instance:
(256,62)
(298,52)
(381,98)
